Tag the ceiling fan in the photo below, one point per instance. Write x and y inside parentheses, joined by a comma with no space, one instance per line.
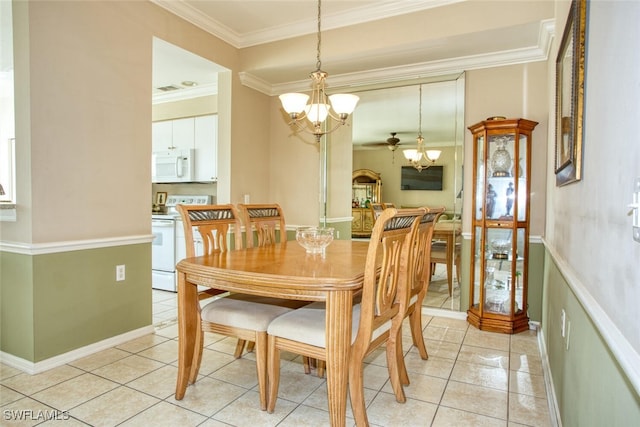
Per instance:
(391,143)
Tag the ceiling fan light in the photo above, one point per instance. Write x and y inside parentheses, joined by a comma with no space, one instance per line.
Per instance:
(294,103)
(433,155)
(317,113)
(343,103)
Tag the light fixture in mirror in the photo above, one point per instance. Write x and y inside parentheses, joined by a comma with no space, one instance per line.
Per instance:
(415,156)
(382,109)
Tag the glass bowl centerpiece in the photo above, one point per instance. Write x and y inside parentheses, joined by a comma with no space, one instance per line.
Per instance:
(314,239)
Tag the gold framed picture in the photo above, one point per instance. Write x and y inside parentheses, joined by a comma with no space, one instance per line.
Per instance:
(570,64)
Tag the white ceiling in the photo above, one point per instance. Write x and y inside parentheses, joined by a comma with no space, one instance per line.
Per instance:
(480,43)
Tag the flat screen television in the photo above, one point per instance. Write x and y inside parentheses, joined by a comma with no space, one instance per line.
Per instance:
(427,179)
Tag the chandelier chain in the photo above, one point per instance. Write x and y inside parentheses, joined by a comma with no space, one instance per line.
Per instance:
(420,114)
(337,106)
(318,61)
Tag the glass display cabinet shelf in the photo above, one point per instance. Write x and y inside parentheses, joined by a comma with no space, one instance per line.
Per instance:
(499,241)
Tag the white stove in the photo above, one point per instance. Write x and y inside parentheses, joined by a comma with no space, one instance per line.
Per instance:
(173,200)
(168,246)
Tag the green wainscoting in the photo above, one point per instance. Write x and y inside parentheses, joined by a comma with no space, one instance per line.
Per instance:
(16,305)
(591,388)
(55,303)
(342,230)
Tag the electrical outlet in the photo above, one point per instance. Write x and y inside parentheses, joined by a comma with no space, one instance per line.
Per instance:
(337,234)
(563,322)
(120,273)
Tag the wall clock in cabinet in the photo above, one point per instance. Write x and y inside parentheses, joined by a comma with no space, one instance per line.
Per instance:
(500,224)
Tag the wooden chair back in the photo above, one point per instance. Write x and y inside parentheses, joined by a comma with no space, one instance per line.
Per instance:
(215,223)
(421,269)
(264,220)
(386,284)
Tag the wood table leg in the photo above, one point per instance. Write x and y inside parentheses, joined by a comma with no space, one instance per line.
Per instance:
(450,252)
(338,327)
(187,324)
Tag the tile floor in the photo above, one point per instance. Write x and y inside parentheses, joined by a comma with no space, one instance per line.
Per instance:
(438,294)
(472,378)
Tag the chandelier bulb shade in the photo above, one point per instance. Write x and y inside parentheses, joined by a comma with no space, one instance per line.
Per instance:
(317,107)
(415,155)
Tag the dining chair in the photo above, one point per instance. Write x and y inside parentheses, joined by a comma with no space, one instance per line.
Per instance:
(442,254)
(419,278)
(264,225)
(266,221)
(376,210)
(245,317)
(382,305)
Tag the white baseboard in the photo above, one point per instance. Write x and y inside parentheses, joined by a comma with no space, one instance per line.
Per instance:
(62,359)
(554,410)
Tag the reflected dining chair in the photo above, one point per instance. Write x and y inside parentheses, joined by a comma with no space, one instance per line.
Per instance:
(376,210)
(388,205)
(419,277)
(382,306)
(245,317)
(441,253)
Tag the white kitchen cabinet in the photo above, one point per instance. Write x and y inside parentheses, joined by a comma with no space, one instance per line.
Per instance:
(199,133)
(173,134)
(162,135)
(206,146)
(183,133)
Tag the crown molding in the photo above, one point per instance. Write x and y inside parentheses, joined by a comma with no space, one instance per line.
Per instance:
(432,69)
(307,26)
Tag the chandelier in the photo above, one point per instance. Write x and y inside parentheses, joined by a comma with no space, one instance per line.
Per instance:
(415,156)
(320,105)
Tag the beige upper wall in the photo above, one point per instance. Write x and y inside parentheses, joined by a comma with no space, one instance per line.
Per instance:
(516,91)
(83,115)
(86,149)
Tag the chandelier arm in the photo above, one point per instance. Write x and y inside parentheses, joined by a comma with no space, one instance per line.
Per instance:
(316,129)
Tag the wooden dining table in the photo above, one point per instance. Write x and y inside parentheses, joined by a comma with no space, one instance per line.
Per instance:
(283,270)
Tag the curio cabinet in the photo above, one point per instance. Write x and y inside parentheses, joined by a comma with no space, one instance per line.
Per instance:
(500,225)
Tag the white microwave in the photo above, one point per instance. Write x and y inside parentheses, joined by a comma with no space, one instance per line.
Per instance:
(173,165)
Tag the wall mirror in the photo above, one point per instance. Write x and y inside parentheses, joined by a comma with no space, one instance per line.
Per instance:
(387,121)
